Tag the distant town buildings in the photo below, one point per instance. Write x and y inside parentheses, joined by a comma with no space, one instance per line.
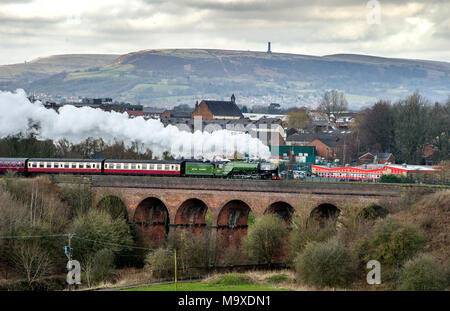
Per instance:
(319,146)
(105,104)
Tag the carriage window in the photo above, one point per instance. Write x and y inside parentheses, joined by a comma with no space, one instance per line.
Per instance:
(133,166)
(166,167)
(81,165)
(34,164)
(41,165)
(159,167)
(88,165)
(74,165)
(66,165)
(125,166)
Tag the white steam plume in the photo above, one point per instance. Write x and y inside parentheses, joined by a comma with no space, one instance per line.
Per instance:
(78,124)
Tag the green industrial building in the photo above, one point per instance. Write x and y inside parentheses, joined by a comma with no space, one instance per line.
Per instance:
(301,154)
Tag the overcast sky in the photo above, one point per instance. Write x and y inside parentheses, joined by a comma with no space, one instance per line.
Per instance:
(410,29)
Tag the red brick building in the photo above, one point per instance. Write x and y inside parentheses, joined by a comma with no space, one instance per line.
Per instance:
(214,109)
(326,148)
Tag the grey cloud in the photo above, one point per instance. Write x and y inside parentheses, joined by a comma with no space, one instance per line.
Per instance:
(294,26)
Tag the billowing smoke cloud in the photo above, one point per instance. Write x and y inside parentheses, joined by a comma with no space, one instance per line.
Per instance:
(78,124)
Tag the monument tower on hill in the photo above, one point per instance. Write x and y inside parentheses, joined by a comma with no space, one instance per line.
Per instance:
(269,51)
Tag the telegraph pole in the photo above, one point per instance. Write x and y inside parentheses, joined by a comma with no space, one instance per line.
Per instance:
(69,252)
(175,259)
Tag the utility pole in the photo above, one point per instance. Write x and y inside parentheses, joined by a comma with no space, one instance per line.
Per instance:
(175,259)
(69,252)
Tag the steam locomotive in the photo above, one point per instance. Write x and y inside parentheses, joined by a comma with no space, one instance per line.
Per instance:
(182,168)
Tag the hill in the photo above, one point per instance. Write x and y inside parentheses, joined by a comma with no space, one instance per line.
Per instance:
(44,67)
(173,76)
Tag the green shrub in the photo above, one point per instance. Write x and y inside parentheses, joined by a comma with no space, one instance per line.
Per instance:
(277,278)
(231,279)
(373,212)
(96,230)
(390,178)
(99,267)
(326,264)
(300,236)
(160,262)
(234,255)
(194,250)
(391,243)
(78,197)
(422,273)
(265,238)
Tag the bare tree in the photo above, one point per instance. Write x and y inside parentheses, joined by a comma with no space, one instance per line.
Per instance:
(332,105)
(31,260)
(376,127)
(265,238)
(298,118)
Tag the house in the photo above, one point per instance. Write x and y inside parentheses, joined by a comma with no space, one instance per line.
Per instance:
(256,116)
(325,146)
(152,112)
(175,113)
(378,158)
(215,109)
(291,131)
(135,113)
(325,143)
(300,139)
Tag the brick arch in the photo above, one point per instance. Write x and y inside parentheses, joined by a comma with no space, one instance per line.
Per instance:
(282,209)
(232,223)
(114,205)
(233,214)
(151,218)
(192,213)
(324,213)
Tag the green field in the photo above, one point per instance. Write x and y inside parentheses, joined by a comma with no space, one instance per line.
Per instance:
(204,286)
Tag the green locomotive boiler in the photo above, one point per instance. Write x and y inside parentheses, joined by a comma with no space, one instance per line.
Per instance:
(233,169)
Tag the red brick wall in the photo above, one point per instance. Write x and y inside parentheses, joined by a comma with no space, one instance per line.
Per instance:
(203,111)
(165,114)
(322,150)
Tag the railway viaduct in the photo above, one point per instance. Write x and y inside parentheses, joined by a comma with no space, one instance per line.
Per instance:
(159,204)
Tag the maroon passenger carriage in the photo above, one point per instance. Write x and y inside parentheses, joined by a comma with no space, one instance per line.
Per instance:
(143,167)
(71,166)
(12,164)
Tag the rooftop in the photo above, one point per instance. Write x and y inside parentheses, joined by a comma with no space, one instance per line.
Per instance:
(223,108)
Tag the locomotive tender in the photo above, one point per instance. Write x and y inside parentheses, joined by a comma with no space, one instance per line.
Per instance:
(182,168)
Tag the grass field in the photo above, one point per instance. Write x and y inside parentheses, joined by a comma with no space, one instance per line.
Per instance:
(251,281)
(204,286)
